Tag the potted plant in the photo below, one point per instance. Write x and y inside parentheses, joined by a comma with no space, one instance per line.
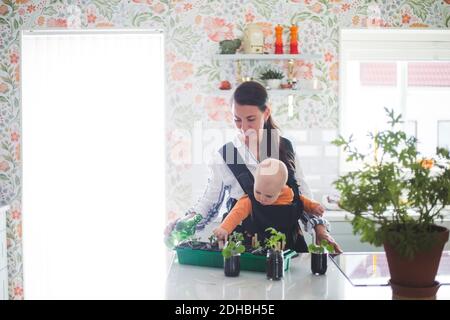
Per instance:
(396,200)
(272,78)
(274,261)
(231,254)
(319,256)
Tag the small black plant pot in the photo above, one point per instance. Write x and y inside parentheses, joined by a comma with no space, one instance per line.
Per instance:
(232,266)
(274,265)
(319,263)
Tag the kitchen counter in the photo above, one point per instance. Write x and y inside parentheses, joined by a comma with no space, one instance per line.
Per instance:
(187,282)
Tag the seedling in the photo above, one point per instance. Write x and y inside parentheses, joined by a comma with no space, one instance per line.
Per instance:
(234,245)
(276,241)
(323,247)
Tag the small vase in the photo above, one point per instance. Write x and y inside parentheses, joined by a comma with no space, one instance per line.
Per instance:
(273,83)
(319,263)
(274,265)
(232,266)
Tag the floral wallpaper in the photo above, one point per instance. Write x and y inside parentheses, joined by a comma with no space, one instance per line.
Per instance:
(193,30)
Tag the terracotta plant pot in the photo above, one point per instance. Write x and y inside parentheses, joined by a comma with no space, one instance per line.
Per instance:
(419,273)
(232,266)
(319,263)
(274,265)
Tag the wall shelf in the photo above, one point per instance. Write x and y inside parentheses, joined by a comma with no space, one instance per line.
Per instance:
(280,92)
(239,59)
(239,56)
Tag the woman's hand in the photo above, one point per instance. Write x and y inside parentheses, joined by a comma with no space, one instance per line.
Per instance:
(322,234)
(220,233)
(318,210)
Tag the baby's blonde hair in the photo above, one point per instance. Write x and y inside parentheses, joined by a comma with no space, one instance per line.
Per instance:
(272,168)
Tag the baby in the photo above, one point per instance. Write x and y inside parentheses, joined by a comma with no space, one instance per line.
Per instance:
(269,189)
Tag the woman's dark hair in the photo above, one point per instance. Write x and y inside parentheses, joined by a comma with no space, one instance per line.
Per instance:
(254,94)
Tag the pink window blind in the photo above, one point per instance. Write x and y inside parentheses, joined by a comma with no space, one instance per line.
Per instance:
(420,74)
(378,74)
(429,74)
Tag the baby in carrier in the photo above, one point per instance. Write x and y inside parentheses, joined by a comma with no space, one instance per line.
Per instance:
(272,204)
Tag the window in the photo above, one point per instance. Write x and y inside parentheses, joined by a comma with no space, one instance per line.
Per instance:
(93,164)
(404,70)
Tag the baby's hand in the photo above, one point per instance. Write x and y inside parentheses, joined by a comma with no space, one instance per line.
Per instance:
(318,210)
(220,233)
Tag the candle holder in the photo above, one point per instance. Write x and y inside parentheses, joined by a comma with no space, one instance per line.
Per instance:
(278,39)
(294,39)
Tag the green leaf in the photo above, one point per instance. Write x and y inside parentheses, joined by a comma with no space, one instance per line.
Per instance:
(212,72)
(330,23)
(184,39)
(106,7)
(158,20)
(4,21)
(316,19)
(206,10)
(362,10)
(141,18)
(7,80)
(329,248)
(420,7)
(4,177)
(3,67)
(264,7)
(49,11)
(3,99)
(300,17)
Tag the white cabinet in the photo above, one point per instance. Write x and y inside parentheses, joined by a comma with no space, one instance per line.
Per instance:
(342,232)
(3,256)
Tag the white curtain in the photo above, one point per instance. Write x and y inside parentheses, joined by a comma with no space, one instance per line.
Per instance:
(93,164)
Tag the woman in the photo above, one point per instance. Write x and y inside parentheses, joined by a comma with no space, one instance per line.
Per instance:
(257,140)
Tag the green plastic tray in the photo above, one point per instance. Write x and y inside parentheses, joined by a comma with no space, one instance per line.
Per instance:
(214,259)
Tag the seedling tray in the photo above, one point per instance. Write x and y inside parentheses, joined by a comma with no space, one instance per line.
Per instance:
(214,258)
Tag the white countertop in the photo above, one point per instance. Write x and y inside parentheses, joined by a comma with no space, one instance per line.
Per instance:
(187,282)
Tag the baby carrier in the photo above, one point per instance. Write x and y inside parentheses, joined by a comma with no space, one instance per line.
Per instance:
(283,218)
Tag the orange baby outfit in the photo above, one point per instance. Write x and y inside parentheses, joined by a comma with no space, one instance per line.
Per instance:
(243,208)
